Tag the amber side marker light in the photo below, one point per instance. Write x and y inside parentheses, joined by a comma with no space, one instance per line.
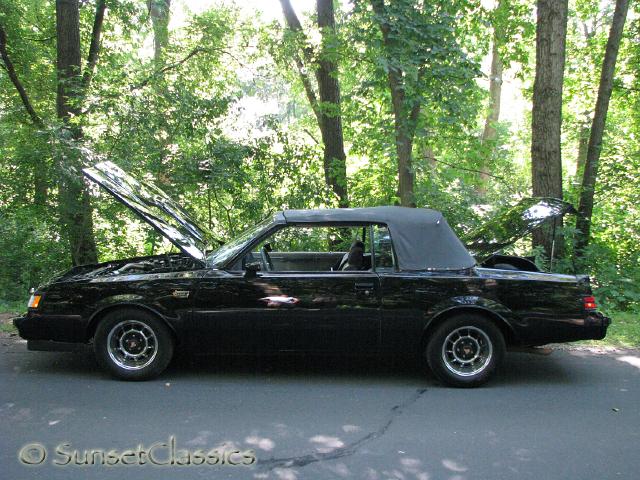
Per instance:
(34,301)
(589,303)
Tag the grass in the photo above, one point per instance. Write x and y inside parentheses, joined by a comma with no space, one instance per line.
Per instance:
(8,328)
(13,306)
(8,310)
(624,330)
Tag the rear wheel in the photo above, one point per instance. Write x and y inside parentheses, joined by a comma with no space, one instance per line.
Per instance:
(465,350)
(133,344)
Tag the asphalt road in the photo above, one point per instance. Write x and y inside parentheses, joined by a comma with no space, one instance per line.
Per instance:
(569,415)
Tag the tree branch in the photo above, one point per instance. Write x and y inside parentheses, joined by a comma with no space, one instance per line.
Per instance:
(162,70)
(472,170)
(294,25)
(94,47)
(37,121)
(41,40)
(311,135)
(177,64)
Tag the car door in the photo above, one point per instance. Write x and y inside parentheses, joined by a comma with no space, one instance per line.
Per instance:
(289,305)
(330,311)
(231,314)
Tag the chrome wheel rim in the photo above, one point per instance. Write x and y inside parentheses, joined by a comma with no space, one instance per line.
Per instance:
(467,351)
(132,344)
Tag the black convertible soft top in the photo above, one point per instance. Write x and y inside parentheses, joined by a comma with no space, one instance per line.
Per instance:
(422,238)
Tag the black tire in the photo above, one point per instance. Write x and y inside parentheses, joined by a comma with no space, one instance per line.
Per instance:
(148,338)
(470,334)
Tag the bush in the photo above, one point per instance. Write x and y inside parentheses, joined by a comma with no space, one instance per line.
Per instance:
(31,251)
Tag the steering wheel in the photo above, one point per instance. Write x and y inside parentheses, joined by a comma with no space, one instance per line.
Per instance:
(266,258)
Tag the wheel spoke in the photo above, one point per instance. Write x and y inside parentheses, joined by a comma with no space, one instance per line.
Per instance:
(125,348)
(467,351)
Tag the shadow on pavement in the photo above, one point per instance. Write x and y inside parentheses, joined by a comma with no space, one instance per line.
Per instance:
(517,369)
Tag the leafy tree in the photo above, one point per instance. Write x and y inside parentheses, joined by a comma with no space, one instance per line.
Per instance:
(324,98)
(417,52)
(511,28)
(546,157)
(218,117)
(597,129)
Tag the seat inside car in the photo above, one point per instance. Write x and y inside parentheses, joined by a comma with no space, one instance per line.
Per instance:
(355,259)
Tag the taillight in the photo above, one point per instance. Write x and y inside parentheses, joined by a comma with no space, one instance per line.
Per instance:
(589,303)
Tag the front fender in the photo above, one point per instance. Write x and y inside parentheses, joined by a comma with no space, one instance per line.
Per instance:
(130,301)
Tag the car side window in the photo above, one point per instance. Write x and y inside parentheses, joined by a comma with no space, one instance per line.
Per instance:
(383,249)
(304,248)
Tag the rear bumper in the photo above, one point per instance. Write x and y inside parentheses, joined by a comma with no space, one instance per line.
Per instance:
(540,331)
(597,323)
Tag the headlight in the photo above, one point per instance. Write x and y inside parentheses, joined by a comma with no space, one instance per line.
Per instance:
(34,301)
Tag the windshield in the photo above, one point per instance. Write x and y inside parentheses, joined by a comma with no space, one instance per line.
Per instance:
(222,255)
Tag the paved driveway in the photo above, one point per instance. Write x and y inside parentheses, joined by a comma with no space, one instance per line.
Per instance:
(569,415)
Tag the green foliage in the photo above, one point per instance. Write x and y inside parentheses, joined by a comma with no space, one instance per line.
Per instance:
(316,239)
(222,124)
(624,331)
(31,250)
(515,28)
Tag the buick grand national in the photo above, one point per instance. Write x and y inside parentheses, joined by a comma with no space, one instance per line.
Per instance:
(358,281)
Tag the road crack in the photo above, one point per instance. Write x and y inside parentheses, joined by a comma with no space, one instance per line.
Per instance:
(347,450)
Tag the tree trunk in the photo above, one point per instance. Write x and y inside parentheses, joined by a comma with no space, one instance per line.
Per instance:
(405,118)
(335,169)
(489,133)
(326,102)
(404,130)
(94,47)
(40,182)
(546,159)
(430,157)
(159,12)
(75,207)
(585,208)
(583,145)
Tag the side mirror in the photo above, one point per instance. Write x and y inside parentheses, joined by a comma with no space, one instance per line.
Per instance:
(251,269)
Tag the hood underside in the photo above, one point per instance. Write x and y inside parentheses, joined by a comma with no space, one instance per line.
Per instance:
(154,206)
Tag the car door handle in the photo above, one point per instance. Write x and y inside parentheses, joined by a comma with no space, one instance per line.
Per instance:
(364,287)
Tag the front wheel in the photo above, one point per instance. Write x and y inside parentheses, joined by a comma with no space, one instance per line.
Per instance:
(465,350)
(133,345)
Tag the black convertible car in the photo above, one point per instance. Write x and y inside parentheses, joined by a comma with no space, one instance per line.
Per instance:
(362,280)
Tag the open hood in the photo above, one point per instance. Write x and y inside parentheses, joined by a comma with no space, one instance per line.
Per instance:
(510,225)
(153,206)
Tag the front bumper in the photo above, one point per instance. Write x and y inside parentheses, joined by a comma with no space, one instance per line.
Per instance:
(58,328)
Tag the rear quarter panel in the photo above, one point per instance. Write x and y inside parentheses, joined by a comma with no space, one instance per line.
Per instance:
(532,308)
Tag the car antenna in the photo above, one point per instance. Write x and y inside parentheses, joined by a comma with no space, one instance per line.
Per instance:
(553,244)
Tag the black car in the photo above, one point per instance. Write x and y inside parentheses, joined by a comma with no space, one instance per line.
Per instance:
(358,281)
